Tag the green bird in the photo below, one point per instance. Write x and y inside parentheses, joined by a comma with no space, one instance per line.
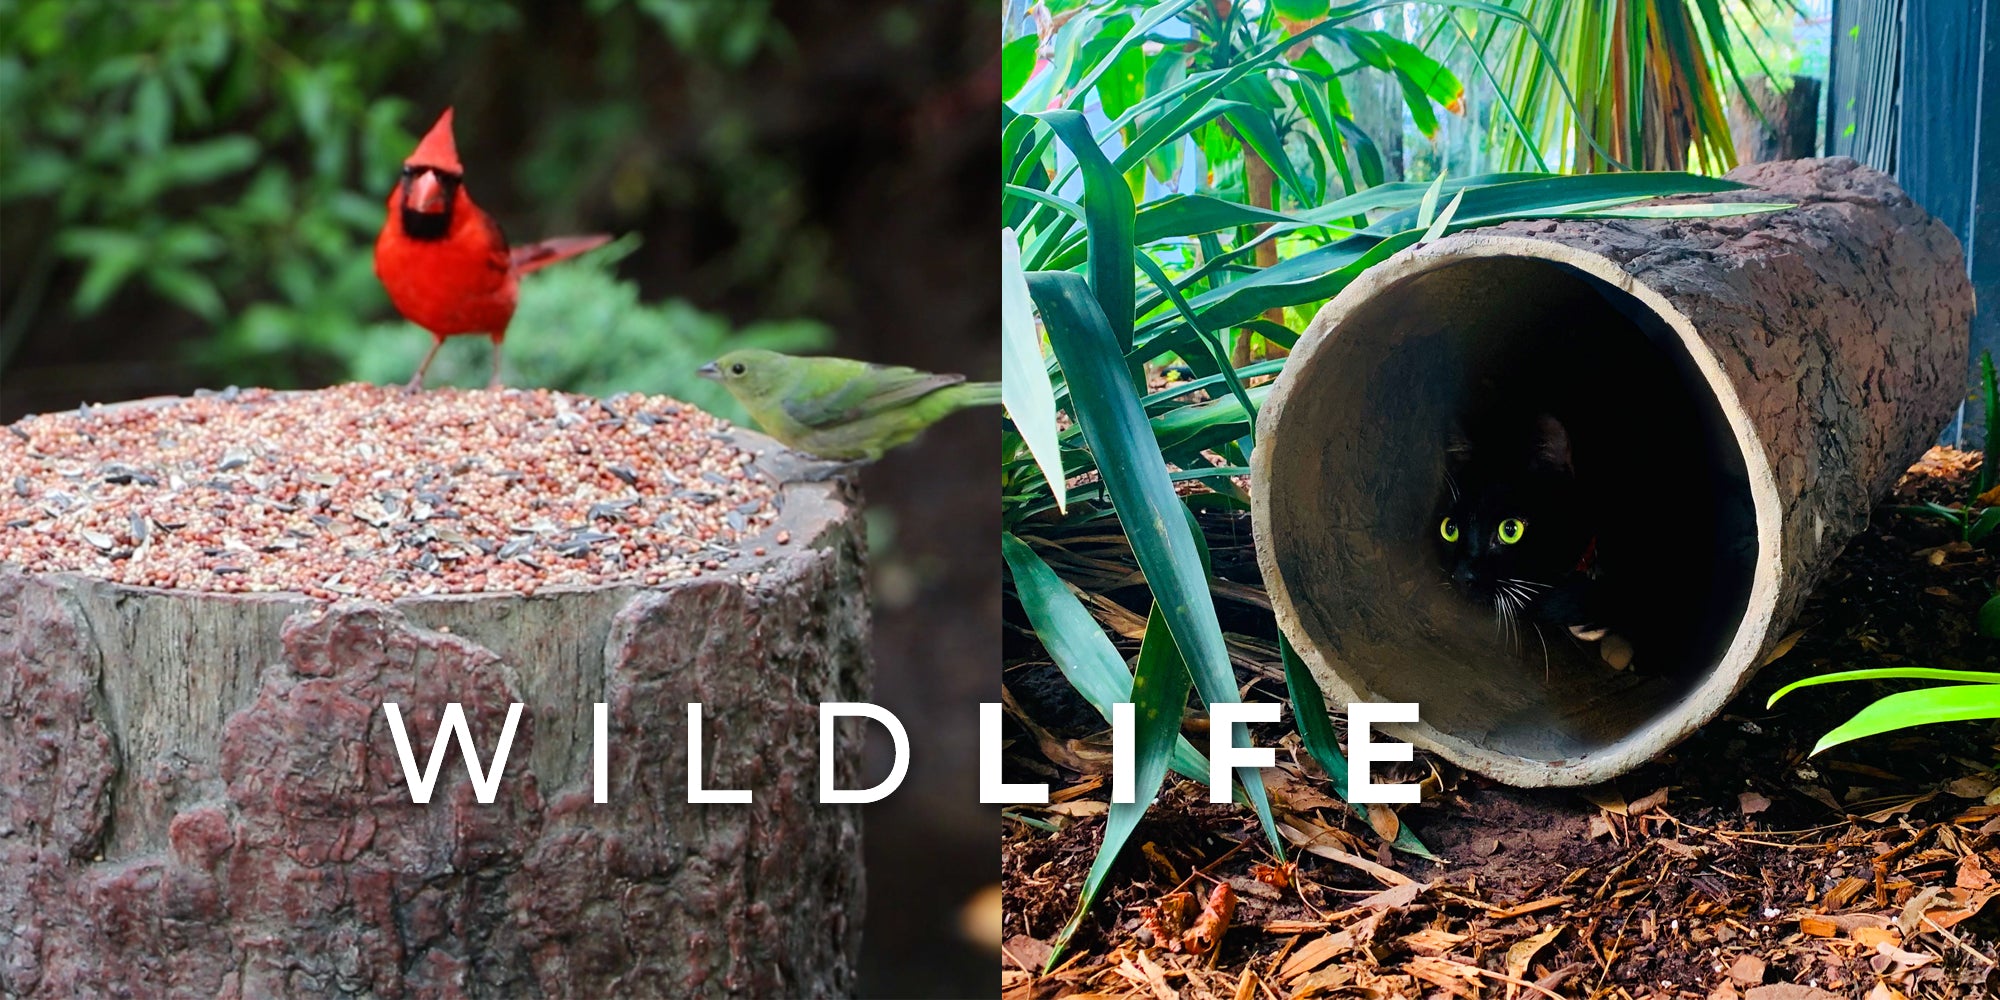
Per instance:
(839,409)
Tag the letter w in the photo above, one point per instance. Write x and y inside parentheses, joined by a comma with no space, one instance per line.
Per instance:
(485,784)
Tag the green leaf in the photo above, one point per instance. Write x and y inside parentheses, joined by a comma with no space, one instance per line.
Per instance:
(1159,697)
(1077,643)
(1989,618)
(1135,476)
(1437,227)
(152,115)
(1684,210)
(1107,205)
(1139,30)
(1024,376)
(1260,133)
(1427,208)
(1300,10)
(36,170)
(114,257)
(211,159)
(1990,397)
(1123,83)
(1925,706)
(1017,60)
(1430,78)
(187,289)
(1983,525)
(1886,674)
(1581,192)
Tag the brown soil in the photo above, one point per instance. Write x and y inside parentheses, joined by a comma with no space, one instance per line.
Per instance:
(1736,865)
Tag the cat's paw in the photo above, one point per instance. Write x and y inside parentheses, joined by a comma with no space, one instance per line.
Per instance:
(1615,651)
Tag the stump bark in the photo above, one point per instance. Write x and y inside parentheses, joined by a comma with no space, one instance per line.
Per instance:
(200,795)
(1755,384)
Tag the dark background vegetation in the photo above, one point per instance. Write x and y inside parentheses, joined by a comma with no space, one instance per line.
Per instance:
(190,189)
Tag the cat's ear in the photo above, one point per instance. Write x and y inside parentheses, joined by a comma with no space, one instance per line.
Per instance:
(1552,444)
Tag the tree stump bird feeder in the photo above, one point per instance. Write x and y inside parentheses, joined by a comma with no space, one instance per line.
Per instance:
(200,793)
(1749,386)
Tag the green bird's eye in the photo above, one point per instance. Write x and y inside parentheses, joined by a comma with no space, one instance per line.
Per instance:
(1448,530)
(1511,530)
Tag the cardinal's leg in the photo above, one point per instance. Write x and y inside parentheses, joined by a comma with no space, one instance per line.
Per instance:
(494,382)
(417,380)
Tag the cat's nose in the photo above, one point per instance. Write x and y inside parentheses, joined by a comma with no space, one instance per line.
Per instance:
(1462,578)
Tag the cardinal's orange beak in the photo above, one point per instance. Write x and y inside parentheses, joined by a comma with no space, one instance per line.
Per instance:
(424,194)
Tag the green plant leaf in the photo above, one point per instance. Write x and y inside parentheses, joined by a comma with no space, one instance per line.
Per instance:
(1017,60)
(1135,476)
(1159,697)
(1024,375)
(1427,206)
(1989,617)
(1300,10)
(1990,397)
(188,289)
(1140,29)
(1956,703)
(1260,133)
(1886,674)
(1437,227)
(1982,525)
(1108,212)
(1077,643)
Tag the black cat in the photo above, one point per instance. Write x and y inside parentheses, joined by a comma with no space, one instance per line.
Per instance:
(1515,530)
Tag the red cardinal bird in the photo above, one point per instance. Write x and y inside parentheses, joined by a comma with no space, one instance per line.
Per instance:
(445,263)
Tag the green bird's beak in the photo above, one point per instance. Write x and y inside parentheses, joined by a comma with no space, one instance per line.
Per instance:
(709,371)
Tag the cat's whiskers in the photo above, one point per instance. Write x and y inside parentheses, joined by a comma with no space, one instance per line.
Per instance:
(1545,650)
(1506,602)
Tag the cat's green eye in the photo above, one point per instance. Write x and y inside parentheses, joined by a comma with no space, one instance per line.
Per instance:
(1511,530)
(1448,530)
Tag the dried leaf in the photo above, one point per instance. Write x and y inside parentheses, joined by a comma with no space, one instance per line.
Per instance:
(1646,804)
(1523,952)
(1277,876)
(1784,646)
(1383,820)
(1790,991)
(1747,971)
(1168,920)
(1216,914)
(1395,898)
(1751,803)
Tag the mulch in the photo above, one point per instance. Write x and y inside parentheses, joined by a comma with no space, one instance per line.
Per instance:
(1736,866)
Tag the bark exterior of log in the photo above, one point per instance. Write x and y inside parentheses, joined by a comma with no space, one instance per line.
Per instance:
(1833,335)
(200,795)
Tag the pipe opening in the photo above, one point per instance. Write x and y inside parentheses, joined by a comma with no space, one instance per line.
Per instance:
(1481,350)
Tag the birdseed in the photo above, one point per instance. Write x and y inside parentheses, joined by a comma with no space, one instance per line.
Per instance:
(365,491)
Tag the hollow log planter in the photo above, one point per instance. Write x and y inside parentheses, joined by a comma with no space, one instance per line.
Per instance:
(1750,385)
(200,795)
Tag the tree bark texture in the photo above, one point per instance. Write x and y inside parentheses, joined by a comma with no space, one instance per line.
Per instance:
(200,795)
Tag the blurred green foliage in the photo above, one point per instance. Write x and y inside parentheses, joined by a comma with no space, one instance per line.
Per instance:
(230,158)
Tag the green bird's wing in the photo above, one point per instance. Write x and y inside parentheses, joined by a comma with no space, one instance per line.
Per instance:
(872,390)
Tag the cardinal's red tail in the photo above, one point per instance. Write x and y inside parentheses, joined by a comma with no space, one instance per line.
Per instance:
(540,255)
